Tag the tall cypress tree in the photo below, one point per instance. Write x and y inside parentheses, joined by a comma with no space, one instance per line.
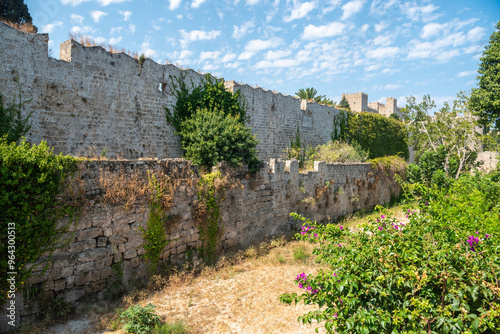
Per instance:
(15,11)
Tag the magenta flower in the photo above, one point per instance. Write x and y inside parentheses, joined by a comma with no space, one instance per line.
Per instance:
(335,315)
(380,228)
(486,236)
(382,217)
(341,227)
(473,241)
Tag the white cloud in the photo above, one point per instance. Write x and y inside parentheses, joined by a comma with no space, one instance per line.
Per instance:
(300,10)
(383,52)
(97,15)
(78,19)
(115,40)
(273,55)
(49,28)
(365,27)
(197,3)
(209,55)
(380,26)
(252,2)
(109,2)
(372,67)
(331,29)
(432,29)
(147,50)
(466,74)
(246,55)
(73,2)
(99,40)
(245,28)
(115,30)
(259,44)
(475,34)
(279,63)
(419,13)
(126,14)
(174,4)
(392,86)
(351,8)
(82,30)
(197,35)
(131,27)
(185,54)
(383,40)
(381,6)
(228,57)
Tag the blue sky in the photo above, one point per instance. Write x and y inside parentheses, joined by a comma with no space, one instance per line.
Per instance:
(381,47)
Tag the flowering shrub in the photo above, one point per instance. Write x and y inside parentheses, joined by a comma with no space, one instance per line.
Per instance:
(392,277)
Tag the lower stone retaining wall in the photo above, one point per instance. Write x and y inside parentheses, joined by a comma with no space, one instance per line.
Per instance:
(114,205)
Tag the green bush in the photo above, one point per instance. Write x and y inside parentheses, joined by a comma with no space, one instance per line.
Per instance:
(210,95)
(438,273)
(213,136)
(377,134)
(31,178)
(337,151)
(175,328)
(140,320)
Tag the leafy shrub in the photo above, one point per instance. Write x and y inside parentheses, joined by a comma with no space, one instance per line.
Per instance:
(438,273)
(210,95)
(140,320)
(58,309)
(31,178)
(213,136)
(337,151)
(377,134)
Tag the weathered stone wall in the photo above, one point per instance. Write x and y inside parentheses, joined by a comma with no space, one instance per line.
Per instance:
(93,102)
(257,207)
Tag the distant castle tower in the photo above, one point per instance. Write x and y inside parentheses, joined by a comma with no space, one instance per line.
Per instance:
(358,102)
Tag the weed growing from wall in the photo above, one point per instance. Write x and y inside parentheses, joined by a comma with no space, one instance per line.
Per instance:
(207,214)
(154,235)
(31,178)
(12,124)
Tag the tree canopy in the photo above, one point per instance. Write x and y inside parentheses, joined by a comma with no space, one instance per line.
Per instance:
(15,11)
(310,94)
(485,100)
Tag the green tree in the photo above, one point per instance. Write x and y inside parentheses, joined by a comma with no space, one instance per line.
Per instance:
(12,124)
(453,129)
(310,95)
(211,136)
(15,11)
(485,100)
(343,103)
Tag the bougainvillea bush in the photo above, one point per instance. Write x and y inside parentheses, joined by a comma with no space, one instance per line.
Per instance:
(426,275)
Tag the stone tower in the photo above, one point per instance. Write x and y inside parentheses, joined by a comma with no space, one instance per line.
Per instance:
(357,101)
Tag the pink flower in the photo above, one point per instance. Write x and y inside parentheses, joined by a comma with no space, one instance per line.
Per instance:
(382,217)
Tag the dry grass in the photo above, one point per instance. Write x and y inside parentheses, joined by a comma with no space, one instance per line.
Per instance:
(87,41)
(24,27)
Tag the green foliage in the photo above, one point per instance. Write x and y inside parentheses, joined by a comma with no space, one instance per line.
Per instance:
(154,235)
(300,254)
(115,288)
(310,95)
(485,99)
(377,134)
(296,151)
(438,273)
(12,124)
(176,328)
(211,95)
(340,125)
(209,218)
(58,309)
(343,103)
(452,127)
(31,178)
(140,320)
(337,151)
(211,136)
(15,11)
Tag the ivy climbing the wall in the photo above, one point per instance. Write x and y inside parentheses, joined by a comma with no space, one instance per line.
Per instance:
(31,178)
(154,234)
(207,214)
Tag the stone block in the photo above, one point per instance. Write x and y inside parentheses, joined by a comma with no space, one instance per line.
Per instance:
(89,233)
(102,241)
(116,239)
(59,285)
(96,275)
(67,271)
(121,230)
(80,246)
(74,295)
(135,262)
(129,254)
(84,278)
(106,272)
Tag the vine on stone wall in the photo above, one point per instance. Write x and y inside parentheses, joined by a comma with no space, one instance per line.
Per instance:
(207,214)
(154,234)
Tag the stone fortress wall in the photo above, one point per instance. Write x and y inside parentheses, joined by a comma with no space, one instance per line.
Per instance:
(93,101)
(107,232)
(358,102)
